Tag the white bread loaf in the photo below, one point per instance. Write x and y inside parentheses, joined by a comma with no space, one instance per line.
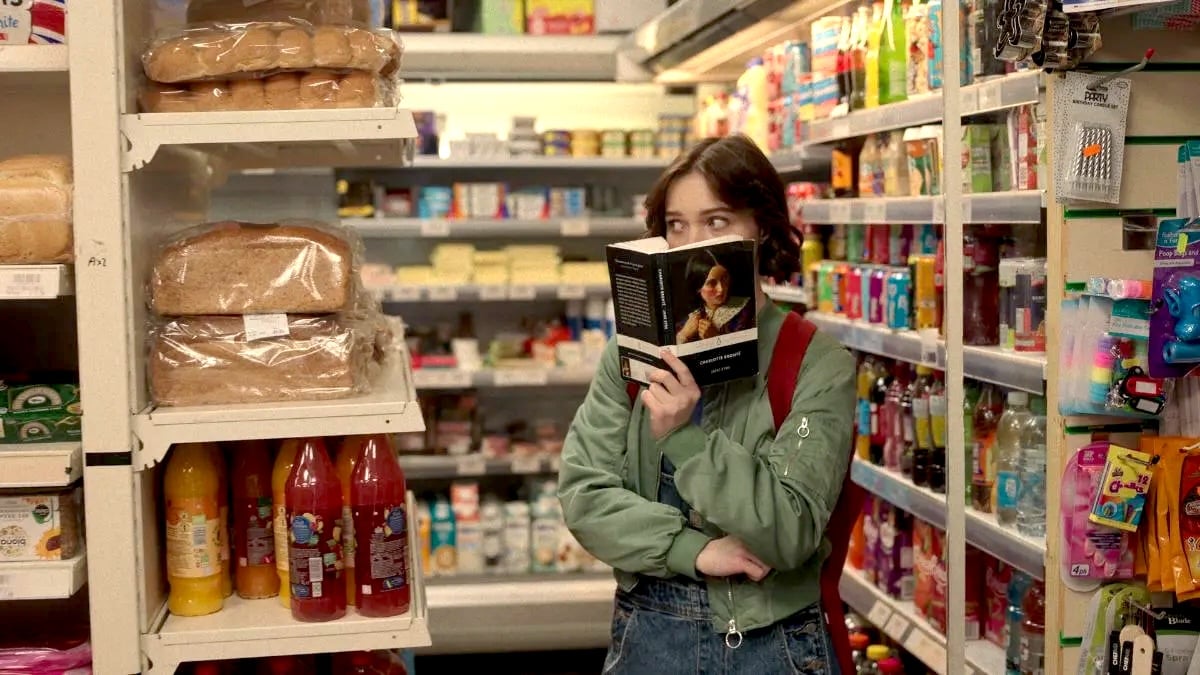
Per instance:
(35,209)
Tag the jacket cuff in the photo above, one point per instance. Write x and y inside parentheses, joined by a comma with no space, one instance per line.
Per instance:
(681,557)
(684,443)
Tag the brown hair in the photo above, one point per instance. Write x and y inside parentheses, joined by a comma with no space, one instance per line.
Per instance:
(740,175)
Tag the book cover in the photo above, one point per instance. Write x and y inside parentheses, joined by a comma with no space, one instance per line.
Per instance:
(696,301)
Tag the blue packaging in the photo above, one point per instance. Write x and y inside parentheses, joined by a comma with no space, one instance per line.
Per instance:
(899,299)
(434,201)
(575,318)
(935,44)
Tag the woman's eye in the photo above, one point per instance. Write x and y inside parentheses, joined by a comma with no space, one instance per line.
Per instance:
(675,225)
(717,223)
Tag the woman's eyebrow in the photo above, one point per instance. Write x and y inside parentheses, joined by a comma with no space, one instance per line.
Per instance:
(716,209)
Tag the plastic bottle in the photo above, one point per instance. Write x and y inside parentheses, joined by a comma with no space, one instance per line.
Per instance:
(981,289)
(223,539)
(844,70)
(190,486)
(876,654)
(1033,630)
(753,84)
(858,58)
(871,57)
(344,465)
(893,422)
(1031,506)
(879,392)
(314,514)
(866,378)
(1008,457)
(812,251)
(380,512)
(253,526)
(937,431)
(983,453)
(869,162)
(922,453)
(279,477)
(971,393)
(893,55)
(908,421)
(1017,587)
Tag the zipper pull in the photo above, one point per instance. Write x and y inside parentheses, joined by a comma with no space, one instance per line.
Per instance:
(802,432)
(733,637)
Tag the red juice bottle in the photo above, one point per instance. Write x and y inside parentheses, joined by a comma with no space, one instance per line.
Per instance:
(314,517)
(377,499)
(253,533)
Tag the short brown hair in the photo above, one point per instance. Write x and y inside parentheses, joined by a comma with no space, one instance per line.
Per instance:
(742,177)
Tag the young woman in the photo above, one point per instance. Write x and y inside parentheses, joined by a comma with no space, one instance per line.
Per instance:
(714,522)
(717,313)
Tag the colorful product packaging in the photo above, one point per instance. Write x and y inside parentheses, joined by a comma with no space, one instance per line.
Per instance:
(998,577)
(42,413)
(41,526)
(1091,553)
(896,554)
(33,22)
(560,17)
(443,547)
(1175,327)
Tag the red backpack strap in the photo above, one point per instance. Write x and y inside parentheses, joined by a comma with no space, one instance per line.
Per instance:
(794,337)
(632,389)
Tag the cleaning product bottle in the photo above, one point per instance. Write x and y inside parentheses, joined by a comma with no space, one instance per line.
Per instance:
(871,57)
(279,477)
(253,527)
(347,455)
(378,496)
(314,515)
(893,55)
(190,485)
(1008,457)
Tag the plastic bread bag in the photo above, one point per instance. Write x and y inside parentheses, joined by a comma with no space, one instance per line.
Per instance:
(36,209)
(234,51)
(52,654)
(309,90)
(206,360)
(313,11)
(231,267)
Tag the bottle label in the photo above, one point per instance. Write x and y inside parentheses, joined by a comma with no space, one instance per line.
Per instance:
(937,420)
(1008,489)
(864,418)
(257,545)
(193,545)
(387,548)
(349,544)
(314,552)
(223,534)
(281,536)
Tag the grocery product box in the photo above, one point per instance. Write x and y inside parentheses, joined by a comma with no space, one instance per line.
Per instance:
(44,413)
(560,17)
(44,526)
(35,22)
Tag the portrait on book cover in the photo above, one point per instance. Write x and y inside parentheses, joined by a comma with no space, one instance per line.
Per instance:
(713,295)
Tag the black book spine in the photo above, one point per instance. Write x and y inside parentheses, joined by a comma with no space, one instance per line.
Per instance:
(666,330)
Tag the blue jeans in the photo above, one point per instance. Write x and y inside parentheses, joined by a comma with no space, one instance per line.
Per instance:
(664,627)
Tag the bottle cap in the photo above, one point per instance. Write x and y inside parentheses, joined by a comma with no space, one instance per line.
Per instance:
(1018,398)
(890,665)
(859,641)
(878,652)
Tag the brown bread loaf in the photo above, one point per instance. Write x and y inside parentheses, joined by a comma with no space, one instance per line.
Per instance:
(35,209)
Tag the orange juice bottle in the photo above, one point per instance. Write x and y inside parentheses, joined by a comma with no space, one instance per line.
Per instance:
(347,458)
(279,476)
(253,524)
(223,509)
(190,485)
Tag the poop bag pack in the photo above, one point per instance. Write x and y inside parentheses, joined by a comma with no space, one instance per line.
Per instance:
(1175,312)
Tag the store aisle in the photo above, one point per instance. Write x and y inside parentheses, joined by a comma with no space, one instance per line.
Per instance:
(582,662)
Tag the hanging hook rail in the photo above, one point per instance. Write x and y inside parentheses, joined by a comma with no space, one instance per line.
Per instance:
(1141,65)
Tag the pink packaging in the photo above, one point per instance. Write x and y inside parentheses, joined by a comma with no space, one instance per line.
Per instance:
(896,554)
(1091,553)
(871,535)
(995,626)
(976,584)
(875,303)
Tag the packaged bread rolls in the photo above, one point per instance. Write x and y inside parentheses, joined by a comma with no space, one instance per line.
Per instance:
(316,89)
(206,360)
(294,267)
(259,49)
(35,209)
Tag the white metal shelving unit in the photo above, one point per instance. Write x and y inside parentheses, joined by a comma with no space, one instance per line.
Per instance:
(428,379)
(442,228)
(489,293)
(1019,207)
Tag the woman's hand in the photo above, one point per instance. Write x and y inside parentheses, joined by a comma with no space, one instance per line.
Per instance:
(727,557)
(689,330)
(671,397)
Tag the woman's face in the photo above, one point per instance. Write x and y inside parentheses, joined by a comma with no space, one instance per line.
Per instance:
(715,290)
(695,214)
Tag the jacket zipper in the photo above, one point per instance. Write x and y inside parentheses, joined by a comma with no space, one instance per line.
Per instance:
(733,636)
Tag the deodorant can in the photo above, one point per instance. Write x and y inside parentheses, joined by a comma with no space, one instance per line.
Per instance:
(854,294)
(841,276)
(924,293)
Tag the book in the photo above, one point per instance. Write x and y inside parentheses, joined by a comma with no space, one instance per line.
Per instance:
(696,301)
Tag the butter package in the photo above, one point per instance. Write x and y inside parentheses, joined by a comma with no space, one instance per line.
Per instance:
(44,413)
(44,526)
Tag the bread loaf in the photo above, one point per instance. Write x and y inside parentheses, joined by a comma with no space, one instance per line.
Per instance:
(207,360)
(260,49)
(242,268)
(35,209)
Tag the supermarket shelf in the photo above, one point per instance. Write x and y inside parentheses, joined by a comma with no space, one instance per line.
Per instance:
(794,165)
(998,94)
(561,611)
(494,293)
(1024,553)
(390,408)
(789,294)
(898,619)
(42,579)
(348,137)
(1023,206)
(472,56)
(36,66)
(1015,370)
(426,467)
(36,282)
(40,465)
(256,628)
(531,163)
(440,228)
(451,378)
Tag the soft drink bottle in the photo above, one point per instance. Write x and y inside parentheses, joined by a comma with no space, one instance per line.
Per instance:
(347,455)
(279,478)
(908,421)
(866,377)
(1017,587)
(922,426)
(971,393)
(218,458)
(1008,457)
(191,485)
(983,454)
(893,419)
(378,498)
(1031,507)
(314,516)
(1033,630)
(879,393)
(253,529)
(938,406)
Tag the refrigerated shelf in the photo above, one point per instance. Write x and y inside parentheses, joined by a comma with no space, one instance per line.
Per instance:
(439,467)
(441,228)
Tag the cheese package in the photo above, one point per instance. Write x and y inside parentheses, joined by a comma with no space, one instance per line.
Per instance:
(36,209)
(303,90)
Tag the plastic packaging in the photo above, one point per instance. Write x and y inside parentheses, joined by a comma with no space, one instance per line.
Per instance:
(75,659)
(1090,118)
(259,49)
(305,90)
(44,525)
(207,360)
(1092,553)
(35,209)
(242,268)
(1174,348)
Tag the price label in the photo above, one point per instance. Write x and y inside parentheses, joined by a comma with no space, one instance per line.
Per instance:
(989,96)
(526,464)
(571,292)
(404,293)
(876,211)
(927,650)
(939,210)
(968,100)
(27,283)
(870,341)
(493,293)
(839,212)
(435,227)
(524,377)
(879,614)
(265,326)
(575,227)
(443,294)
(896,626)
(471,465)
(522,292)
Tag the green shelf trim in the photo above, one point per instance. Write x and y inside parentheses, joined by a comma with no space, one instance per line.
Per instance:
(1081,214)
(1130,427)
(1158,140)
